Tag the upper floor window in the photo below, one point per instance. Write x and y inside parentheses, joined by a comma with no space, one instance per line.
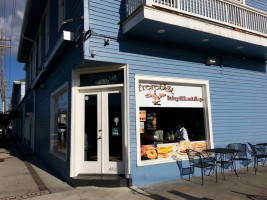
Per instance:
(39,49)
(33,63)
(47,27)
(61,12)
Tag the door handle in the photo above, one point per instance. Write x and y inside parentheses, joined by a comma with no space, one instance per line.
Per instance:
(100,137)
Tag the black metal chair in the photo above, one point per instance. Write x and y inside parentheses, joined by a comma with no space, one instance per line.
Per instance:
(183,170)
(226,161)
(258,153)
(197,160)
(242,154)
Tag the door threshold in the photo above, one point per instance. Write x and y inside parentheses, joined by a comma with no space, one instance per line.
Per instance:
(101,180)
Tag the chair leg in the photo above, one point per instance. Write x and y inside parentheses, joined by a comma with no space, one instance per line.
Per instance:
(202,175)
(256,165)
(216,174)
(189,173)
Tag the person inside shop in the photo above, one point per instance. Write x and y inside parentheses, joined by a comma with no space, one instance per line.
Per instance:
(181,132)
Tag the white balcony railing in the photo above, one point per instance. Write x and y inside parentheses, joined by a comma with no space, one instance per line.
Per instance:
(230,13)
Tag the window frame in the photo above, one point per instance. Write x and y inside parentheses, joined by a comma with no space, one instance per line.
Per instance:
(173,81)
(60,90)
(47,27)
(61,12)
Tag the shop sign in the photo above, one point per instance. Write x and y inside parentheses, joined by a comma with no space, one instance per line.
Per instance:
(105,78)
(162,95)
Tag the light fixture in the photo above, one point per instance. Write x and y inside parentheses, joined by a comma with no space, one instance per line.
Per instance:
(72,20)
(160,31)
(42,86)
(240,47)
(206,40)
(93,54)
(106,41)
(210,61)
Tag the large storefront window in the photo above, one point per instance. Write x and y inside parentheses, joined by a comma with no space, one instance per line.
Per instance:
(59,117)
(172,118)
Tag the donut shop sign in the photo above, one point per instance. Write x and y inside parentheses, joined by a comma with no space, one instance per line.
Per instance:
(162,95)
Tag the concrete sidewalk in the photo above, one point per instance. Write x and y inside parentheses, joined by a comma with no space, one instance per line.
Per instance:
(20,179)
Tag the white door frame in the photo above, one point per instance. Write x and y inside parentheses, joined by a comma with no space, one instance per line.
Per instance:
(76,110)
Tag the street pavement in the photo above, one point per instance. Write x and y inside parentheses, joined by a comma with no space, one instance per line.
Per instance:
(29,178)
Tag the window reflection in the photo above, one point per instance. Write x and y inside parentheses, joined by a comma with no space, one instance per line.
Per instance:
(59,137)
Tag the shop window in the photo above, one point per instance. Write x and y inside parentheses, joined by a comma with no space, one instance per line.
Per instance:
(172,118)
(59,122)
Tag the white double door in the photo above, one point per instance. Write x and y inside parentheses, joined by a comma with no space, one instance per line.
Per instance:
(101,135)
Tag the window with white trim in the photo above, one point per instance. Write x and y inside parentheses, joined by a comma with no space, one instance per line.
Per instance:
(61,12)
(59,122)
(47,27)
(171,117)
(39,49)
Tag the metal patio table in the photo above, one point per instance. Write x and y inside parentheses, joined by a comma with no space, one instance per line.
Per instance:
(223,152)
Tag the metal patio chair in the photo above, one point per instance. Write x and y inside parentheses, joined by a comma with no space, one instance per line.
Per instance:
(227,161)
(197,160)
(242,155)
(183,170)
(258,153)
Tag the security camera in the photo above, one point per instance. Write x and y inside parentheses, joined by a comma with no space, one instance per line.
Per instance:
(210,61)
(106,41)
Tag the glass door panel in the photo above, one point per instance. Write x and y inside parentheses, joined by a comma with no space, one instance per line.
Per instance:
(115,127)
(90,128)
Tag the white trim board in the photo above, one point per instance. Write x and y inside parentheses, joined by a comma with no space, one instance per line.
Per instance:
(76,89)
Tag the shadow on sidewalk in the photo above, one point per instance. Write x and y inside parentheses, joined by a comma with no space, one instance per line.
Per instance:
(251,196)
(149,195)
(187,196)
(28,157)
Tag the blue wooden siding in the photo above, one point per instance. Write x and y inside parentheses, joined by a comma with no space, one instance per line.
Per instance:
(258,4)
(61,75)
(60,72)
(238,88)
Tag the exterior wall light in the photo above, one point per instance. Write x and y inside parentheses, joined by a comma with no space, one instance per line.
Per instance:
(205,40)
(106,41)
(93,54)
(210,61)
(160,31)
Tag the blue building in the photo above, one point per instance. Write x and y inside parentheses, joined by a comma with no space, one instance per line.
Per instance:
(108,82)
(18,92)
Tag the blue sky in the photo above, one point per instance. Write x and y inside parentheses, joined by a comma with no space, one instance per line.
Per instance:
(11,17)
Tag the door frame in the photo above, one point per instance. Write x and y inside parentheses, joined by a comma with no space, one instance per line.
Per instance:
(76,110)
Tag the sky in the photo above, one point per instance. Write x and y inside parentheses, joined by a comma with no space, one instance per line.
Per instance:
(11,16)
